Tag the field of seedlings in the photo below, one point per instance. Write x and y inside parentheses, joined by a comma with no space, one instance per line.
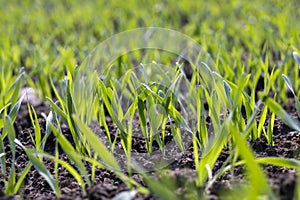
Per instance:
(149,99)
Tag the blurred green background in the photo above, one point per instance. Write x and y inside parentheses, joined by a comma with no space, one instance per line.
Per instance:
(48,37)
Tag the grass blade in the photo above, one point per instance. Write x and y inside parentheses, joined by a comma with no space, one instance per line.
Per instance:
(296,57)
(262,120)
(21,179)
(259,186)
(57,110)
(3,110)
(15,109)
(280,113)
(210,154)
(290,86)
(36,126)
(281,162)
(40,167)
(269,134)
(288,83)
(10,186)
(227,91)
(70,151)
(67,166)
(9,129)
(98,146)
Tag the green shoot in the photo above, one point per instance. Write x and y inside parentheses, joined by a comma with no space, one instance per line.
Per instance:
(42,170)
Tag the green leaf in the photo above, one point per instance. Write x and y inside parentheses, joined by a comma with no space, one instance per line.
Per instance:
(57,109)
(70,151)
(296,57)
(259,186)
(288,83)
(262,120)
(280,162)
(211,153)
(21,179)
(290,86)
(15,109)
(49,119)
(280,113)
(9,129)
(175,130)
(154,117)
(42,170)
(98,146)
(269,134)
(13,92)
(227,91)
(66,165)
(142,113)
(103,122)
(36,125)
(4,107)
(11,181)
(106,93)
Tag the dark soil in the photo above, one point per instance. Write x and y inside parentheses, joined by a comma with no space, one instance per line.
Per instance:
(106,185)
